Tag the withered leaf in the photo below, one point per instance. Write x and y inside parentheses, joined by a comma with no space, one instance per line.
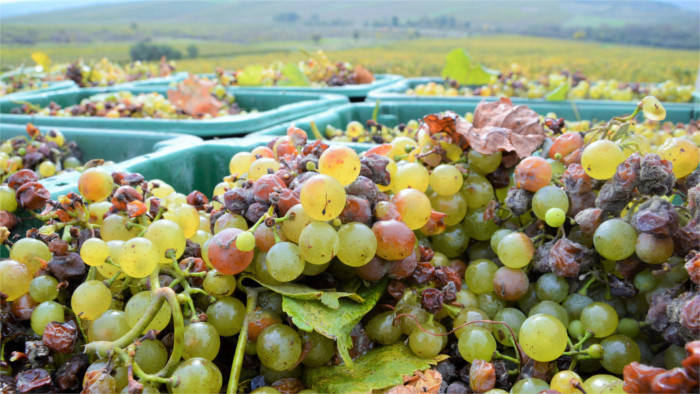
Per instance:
(193,97)
(449,124)
(363,75)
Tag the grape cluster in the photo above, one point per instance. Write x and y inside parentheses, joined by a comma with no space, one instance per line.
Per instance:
(107,73)
(558,270)
(21,83)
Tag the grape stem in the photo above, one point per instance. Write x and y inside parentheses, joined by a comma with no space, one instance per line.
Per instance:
(261,220)
(588,284)
(375,112)
(251,301)
(497,354)
(187,288)
(111,280)
(314,129)
(126,355)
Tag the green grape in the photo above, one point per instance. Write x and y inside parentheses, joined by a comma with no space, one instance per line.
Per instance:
(114,229)
(674,356)
(322,197)
(185,216)
(427,345)
(279,347)
(284,261)
(601,158)
(467,298)
(91,299)
(340,162)
(226,315)
(514,318)
(555,217)
(7,199)
(619,351)
(272,376)
(653,109)
(94,252)
(15,279)
(414,207)
(477,227)
(491,303)
(550,308)
(484,164)
(292,228)
(43,288)
(314,269)
(229,220)
(574,304)
(454,206)
(137,306)
(31,252)
(566,382)
(109,326)
(201,340)
(321,348)
(481,250)
(166,234)
(479,276)
(529,385)
(240,163)
(628,327)
(261,270)
(411,175)
(576,329)
(357,244)
(547,198)
(477,191)
(151,355)
(497,237)
(45,313)
(218,284)
(47,168)
(601,318)
(265,390)
(245,241)
(515,250)
(318,243)
(452,242)
(197,375)
(468,315)
(138,257)
(603,384)
(262,166)
(552,287)
(529,300)
(477,343)
(543,337)
(109,270)
(381,328)
(446,180)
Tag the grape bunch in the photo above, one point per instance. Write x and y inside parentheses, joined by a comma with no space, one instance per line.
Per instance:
(552,262)
(107,73)
(21,83)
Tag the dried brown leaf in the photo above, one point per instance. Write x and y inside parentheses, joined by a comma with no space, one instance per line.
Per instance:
(193,97)
(427,381)
(449,124)
(363,75)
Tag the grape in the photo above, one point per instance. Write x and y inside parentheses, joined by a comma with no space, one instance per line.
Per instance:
(229,220)
(601,318)
(467,299)
(467,315)
(292,228)
(279,347)
(99,382)
(555,217)
(683,154)
(197,375)
(543,337)
(46,169)
(15,279)
(514,318)
(340,162)
(284,262)
(318,243)
(151,355)
(547,198)
(497,236)
(529,385)
(552,287)
(566,144)
(491,303)
(414,207)
(245,241)
(454,206)
(427,345)
(138,257)
(515,250)
(446,180)
(114,229)
(240,163)
(618,351)
(550,308)
(511,284)
(603,384)
(381,328)
(94,252)
(628,327)
(479,276)
(674,356)
(411,175)
(200,340)
(452,242)
(653,109)
(45,313)
(259,320)
(226,315)
(43,288)
(615,239)
(109,326)
(166,234)
(95,184)
(262,166)
(395,241)
(225,256)
(574,304)
(484,164)
(32,253)
(218,284)
(601,158)
(477,227)
(533,173)
(322,197)
(185,216)
(566,382)
(261,271)
(322,348)
(357,244)
(477,191)
(136,307)
(7,199)
(476,343)
(91,299)
(653,250)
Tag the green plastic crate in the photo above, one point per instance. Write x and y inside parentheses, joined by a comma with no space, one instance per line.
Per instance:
(273,107)
(353,92)
(52,87)
(568,109)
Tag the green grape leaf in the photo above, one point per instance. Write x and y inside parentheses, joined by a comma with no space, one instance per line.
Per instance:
(621,132)
(251,76)
(303,292)
(333,323)
(457,65)
(381,368)
(560,92)
(480,75)
(42,59)
(293,76)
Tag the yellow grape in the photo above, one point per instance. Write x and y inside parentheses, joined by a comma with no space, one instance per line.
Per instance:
(262,167)
(91,299)
(340,162)
(186,217)
(95,184)
(414,207)
(322,197)
(601,158)
(292,228)
(137,305)
(94,252)
(98,210)
(138,257)
(401,146)
(162,189)
(446,180)
(109,270)
(14,279)
(358,244)
(543,337)
(566,382)
(114,228)
(166,234)
(412,175)
(47,168)
(31,252)
(683,154)
(240,163)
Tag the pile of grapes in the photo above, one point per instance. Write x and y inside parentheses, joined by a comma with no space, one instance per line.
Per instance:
(21,83)
(515,84)
(107,73)
(521,258)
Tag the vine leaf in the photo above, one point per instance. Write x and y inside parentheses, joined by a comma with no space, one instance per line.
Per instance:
(380,368)
(460,67)
(42,59)
(559,93)
(293,76)
(335,323)
(193,97)
(303,292)
(250,76)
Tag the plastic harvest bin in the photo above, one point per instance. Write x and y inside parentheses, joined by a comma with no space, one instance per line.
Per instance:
(353,92)
(51,87)
(568,109)
(273,108)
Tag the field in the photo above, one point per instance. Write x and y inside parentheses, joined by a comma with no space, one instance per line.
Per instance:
(414,57)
